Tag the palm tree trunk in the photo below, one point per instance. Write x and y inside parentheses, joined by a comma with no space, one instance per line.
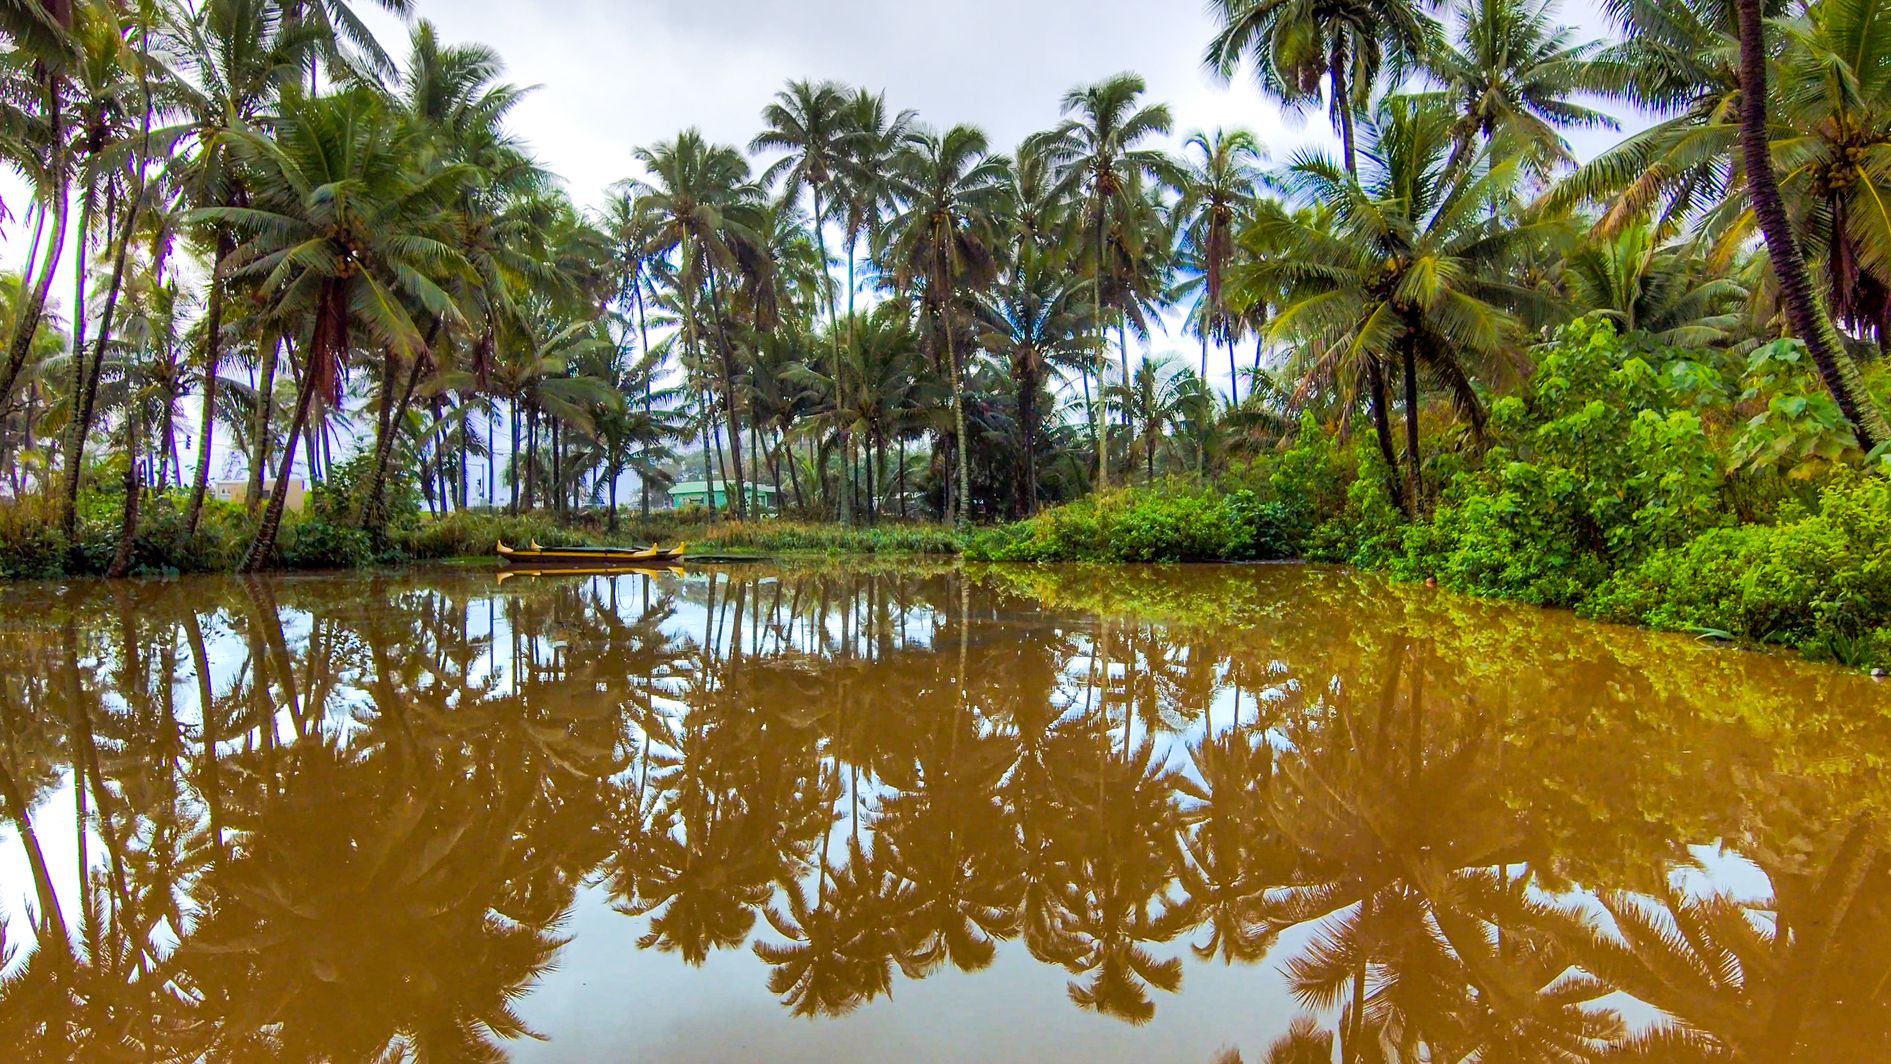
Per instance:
(33,308)
(729,395)
(643,332)
(1028,415)
(1411,427)
(83,410)
(81,272)
(373,502)
(512,463)
(1234,374)
(1805,311)
(259,550)
(260,440)
(1342,106)
(794,474)
(134,488)
(1382,428)
(833,330)
(958,417)
(1097,412)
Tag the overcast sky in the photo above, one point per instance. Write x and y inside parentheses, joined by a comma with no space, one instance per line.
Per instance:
(616,75)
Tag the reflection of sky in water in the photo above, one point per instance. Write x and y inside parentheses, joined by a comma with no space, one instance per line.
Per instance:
(606,999)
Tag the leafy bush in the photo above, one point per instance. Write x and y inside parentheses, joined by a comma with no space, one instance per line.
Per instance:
(319,543)
(1134,525)
(1818,581)
(30,544)
(1605,460)
(792,536)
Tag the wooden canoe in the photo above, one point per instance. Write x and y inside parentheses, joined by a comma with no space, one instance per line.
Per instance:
(540,557)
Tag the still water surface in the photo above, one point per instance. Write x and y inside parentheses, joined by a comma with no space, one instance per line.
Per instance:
(866,813)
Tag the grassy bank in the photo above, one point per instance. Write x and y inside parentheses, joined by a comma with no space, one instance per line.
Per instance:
(1607,487)
(33,547)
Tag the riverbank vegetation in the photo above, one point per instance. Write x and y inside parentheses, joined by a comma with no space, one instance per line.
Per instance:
(1647,384)
(1626,481)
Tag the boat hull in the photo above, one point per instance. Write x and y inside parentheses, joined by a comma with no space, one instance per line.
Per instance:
(537,557)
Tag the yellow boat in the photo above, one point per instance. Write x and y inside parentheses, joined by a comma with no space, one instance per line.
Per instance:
(541,557)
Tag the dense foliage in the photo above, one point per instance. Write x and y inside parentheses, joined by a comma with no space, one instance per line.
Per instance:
(1615,484)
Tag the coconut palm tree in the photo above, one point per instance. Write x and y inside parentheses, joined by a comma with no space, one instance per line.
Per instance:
(1676,59)
(36,143)
(1415,268)
(1160,400)
(1034,317)
(239,54)
(346,268)
(1297,46)
(1100,158)
(1217,186)
(1514,73)
(1854,24)
(951,192)
(702,206)
(1668,290)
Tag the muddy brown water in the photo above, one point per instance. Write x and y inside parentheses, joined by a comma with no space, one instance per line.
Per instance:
(872,811)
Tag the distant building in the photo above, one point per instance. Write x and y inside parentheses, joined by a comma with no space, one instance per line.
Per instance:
(237,491)
(696,493)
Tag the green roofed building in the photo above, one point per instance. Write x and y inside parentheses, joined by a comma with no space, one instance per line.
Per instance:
(696,493)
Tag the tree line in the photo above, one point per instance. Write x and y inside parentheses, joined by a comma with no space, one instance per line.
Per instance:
(268,212)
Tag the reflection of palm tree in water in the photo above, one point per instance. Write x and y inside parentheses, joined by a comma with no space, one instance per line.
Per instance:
(701,779)
(1802,977)
(344,937)
(1105,893)
(1397,820)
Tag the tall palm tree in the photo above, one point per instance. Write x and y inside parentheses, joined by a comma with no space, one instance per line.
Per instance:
(453,99)
(950,190)
(1217,188)
(1034,317)
(1100,158)
(347,268)
(639,267)
(703,207)
(1415,268)
(1804,308)
(1513,72)
(1676,59)
(873,139)
(42,30)
(1296,46)
(240,53)
(808,121)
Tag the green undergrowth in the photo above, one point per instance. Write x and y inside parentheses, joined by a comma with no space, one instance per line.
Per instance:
(1617,484)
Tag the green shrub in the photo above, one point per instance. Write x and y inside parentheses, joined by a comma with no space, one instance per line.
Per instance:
(30,544)
(1161,524)
(1605,461)
(318,543)
(1819,581)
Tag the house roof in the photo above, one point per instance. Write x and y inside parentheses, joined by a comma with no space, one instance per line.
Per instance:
(701,487)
